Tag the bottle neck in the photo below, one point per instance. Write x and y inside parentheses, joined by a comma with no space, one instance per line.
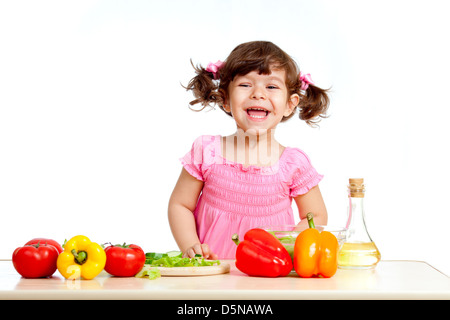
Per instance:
(356,225)
(355,211)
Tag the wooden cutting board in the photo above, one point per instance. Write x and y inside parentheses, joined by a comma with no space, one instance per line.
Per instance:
(224,267)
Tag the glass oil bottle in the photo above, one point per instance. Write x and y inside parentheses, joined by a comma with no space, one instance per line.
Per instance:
(358,250)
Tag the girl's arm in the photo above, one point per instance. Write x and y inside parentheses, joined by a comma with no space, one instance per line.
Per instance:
(181,218)
(312,201)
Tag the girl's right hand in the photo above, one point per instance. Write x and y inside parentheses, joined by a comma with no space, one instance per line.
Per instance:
(202,249)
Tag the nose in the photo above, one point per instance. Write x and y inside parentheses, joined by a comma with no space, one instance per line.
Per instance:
(258,93)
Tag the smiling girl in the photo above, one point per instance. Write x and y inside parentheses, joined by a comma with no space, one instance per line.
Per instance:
(235,183)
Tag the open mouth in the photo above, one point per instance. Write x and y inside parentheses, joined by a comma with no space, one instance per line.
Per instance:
(257,113)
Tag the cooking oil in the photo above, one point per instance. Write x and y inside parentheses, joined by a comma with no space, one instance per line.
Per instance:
(360,255)
(358,251)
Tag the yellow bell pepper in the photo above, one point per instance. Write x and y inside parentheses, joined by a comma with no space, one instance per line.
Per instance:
(81,258)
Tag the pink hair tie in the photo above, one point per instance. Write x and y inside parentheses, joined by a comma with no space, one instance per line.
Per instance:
(214,68)
(306,81)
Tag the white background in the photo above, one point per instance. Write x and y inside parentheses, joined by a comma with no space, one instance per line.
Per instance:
(93,118)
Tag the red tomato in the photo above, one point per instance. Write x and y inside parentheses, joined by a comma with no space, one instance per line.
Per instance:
(124,260)
(35,261)
(46,241)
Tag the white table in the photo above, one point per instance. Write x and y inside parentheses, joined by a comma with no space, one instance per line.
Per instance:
(389,280)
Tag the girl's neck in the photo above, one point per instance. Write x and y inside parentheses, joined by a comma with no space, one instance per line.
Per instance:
(252,149)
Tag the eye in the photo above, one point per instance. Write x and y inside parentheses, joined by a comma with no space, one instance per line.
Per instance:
(272,87)
(245,85)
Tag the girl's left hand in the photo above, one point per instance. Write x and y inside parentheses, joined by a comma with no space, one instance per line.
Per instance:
(202,249)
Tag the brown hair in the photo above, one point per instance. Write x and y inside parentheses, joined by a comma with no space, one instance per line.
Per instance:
(258,56)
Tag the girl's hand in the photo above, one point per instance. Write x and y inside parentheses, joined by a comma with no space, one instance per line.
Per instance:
(202,249)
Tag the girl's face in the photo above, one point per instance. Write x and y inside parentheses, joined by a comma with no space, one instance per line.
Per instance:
(258,102)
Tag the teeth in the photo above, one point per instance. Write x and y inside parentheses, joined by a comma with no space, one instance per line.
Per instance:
(258,109)
(258,117)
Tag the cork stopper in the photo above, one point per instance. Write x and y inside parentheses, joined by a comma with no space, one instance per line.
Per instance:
(356,187)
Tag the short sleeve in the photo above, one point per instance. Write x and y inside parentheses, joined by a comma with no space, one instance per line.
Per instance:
(301,175)
(201,156)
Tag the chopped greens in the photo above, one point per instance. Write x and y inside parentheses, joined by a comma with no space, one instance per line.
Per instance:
(175,259)
(149,272)
(289,239)
(170,259)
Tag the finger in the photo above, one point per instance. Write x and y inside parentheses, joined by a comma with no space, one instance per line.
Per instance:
(213,256)
(206,251)
(189,253)
(192,251)
(197,249)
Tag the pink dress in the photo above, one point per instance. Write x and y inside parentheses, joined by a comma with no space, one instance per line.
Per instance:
(236,198)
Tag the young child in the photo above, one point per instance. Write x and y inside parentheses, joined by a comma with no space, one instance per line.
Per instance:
(232,184)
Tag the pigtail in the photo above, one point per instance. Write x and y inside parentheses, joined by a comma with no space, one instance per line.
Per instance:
(204,88)
(313,106)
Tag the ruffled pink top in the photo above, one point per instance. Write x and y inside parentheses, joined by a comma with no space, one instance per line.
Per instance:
(236,198)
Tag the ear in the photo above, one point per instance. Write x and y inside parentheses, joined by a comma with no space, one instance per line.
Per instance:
(293,101)
(225,106)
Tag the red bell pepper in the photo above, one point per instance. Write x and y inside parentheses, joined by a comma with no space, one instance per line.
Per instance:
(262,255)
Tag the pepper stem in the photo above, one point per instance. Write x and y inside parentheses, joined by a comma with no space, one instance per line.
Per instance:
(235,238)
(309,217)
(80,257)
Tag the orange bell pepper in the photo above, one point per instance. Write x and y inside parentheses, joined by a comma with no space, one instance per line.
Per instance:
(315,253)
